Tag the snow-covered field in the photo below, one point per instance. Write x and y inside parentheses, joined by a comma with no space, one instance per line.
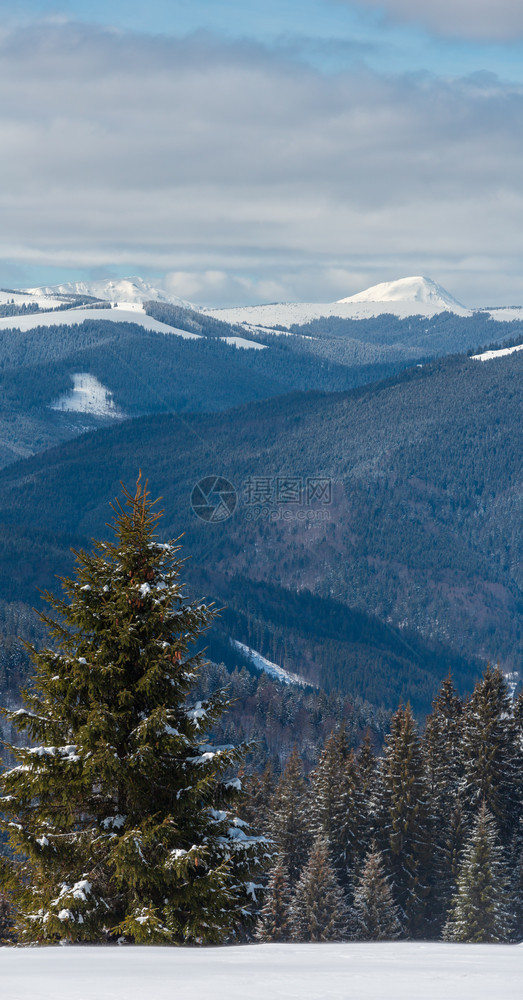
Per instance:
(404,971)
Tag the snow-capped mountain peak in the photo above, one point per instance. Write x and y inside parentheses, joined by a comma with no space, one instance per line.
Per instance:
(413,289)
(133,289)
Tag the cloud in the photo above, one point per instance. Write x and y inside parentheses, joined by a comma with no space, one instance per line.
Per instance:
(478,20)
(248,176)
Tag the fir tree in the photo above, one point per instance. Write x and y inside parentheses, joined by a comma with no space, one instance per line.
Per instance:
(288,820)
(319,910)
(274,921)
(493,761)
(403,822)
(366,798)
(377,917)
(333,804)
(481,908)
(122,816)
(443,756)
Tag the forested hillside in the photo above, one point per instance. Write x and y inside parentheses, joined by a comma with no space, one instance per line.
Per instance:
(422,530)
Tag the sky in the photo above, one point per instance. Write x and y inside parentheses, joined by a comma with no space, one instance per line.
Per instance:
(284,150)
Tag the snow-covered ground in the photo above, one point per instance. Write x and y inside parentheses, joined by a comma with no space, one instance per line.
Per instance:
(88,395)
(506,314)
(70,317)
(403,971)
(502,353)
(272,669)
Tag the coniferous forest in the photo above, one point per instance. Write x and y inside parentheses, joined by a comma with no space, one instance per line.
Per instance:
(125,819)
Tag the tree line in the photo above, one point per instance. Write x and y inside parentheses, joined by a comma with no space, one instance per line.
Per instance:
(422,842)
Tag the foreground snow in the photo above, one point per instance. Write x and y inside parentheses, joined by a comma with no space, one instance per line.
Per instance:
(295,972)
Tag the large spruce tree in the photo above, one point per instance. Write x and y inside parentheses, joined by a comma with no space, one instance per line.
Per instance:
(289,820)
(377,917)
(493,755)
(403,822)
(319,910)
(120,814)
(483,908)
(333,804)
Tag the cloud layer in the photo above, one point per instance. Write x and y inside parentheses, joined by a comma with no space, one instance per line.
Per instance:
(480,20)
(246,176)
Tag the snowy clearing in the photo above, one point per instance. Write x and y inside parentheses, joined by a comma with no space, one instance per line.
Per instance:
(88,395)
(502,353)
(242,342)
(292,971)
(70,317)
(272,669)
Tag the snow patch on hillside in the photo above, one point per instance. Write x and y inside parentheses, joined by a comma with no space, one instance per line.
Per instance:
(70,317)
(242,342)
(88,395)
(272,669)
(502,353)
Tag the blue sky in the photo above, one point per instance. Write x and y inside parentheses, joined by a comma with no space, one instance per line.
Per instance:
(262,151)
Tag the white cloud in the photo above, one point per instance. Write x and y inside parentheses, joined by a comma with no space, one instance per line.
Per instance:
(479,20)
(248,177)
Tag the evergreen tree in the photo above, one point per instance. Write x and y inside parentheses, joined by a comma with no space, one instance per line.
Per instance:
(333,804)
(319,910)
(377,917)
(122,816)
(493,761)
(366,798)
(274,921)
(288,820)
(442,749)
(403,822)
(481,910)
(443,756)
(259,790)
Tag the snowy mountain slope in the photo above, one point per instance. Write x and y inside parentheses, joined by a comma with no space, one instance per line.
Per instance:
(407,297)
(416,289)
(272,669)
(70,317)
(133,289)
